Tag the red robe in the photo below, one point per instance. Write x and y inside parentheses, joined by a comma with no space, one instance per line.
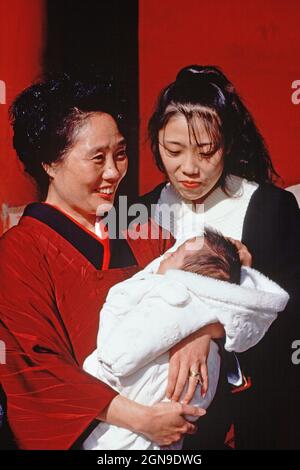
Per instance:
(51,291)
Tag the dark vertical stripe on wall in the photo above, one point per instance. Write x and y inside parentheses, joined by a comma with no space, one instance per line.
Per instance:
(102,33)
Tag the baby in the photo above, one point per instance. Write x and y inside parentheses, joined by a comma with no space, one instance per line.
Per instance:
(193,285)
(210,255)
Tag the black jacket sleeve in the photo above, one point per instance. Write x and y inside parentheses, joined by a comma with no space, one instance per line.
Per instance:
(272,234)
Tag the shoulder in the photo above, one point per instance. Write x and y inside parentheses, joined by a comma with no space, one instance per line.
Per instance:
(269,194)
(25,244)
(20,236)
(271,212)
(269,204)
(23,263)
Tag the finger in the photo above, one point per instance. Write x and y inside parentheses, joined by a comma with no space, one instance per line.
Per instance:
(246,259)
(245,256)
(172,439)
(192,411)
(191,428)
(172,377)
(204,379)
(239,245)
(176,437)
(180,382)
(235,242)
(192,384)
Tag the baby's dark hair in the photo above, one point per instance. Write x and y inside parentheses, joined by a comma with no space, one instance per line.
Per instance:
(218,258)
(46,117)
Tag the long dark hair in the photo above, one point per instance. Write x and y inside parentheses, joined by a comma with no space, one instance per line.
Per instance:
(205,92)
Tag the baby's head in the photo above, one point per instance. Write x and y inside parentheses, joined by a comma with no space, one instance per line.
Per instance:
(209,255)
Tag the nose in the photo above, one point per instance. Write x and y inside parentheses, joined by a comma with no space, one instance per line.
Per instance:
(189,165)
(111,172)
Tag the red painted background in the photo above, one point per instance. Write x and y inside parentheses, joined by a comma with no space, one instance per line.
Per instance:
(21,39)
(257,44)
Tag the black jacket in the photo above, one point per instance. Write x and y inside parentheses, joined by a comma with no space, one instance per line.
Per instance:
(268,414)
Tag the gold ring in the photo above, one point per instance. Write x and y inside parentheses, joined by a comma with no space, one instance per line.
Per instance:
(194,373)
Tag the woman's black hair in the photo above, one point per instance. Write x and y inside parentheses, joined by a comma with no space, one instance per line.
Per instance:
(205,92)
(46,116)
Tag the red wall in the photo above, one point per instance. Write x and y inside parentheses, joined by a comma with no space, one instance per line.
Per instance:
(256,43)
(21,39)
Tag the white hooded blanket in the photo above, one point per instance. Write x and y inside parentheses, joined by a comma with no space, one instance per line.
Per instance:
(145,316)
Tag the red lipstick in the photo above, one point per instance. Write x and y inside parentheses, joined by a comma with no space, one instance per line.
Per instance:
(190,184)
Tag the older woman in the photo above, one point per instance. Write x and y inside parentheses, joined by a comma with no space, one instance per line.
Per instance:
(206,143)
(55,271)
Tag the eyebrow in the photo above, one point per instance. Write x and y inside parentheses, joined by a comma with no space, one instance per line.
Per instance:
(182,145)
(103,148)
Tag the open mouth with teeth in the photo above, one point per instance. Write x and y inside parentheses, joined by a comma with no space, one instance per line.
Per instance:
(106,191)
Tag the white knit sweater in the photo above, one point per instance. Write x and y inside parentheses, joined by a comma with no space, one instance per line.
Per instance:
(219,211)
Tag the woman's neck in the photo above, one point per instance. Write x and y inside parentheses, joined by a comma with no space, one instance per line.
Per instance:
(86,220)
(202,199)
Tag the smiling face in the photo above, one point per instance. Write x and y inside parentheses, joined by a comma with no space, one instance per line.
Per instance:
(192,164)
(90,171)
